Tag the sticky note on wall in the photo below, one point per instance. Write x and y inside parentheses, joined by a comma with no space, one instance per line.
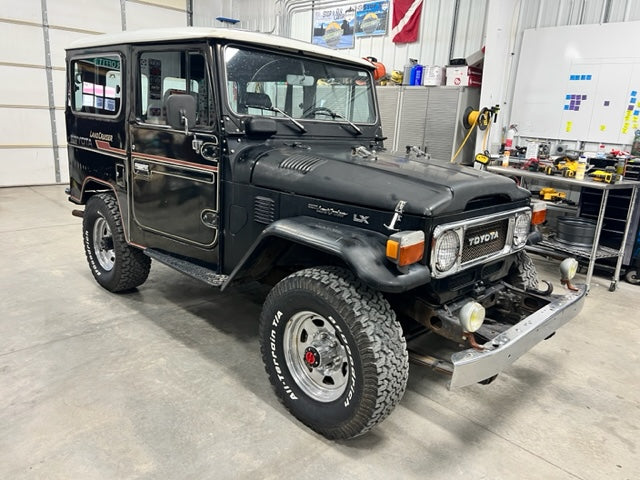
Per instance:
(568,126)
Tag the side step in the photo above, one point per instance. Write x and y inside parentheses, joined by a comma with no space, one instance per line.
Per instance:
(198,272)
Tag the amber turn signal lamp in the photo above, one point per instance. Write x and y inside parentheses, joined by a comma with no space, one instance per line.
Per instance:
(405,248)
(538,213)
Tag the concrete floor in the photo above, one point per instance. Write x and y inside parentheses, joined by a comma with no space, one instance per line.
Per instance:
(167,383)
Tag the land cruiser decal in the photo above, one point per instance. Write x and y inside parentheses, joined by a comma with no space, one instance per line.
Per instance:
(101,136)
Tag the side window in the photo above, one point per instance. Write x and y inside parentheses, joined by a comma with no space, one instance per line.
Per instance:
(162,74)
(97,85)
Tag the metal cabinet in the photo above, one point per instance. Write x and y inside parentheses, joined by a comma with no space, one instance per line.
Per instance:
(428,117)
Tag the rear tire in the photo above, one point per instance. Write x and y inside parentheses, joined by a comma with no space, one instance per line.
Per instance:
(115,265)
(334,351)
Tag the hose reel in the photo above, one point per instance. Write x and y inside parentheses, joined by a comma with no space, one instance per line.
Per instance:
(480,118)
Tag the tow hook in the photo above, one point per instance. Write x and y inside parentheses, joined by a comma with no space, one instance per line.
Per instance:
(472,341)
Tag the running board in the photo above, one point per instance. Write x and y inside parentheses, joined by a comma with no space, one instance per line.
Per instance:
(193,270)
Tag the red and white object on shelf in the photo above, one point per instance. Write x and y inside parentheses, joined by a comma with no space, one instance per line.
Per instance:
(464,76)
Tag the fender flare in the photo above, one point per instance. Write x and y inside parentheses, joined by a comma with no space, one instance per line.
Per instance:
(363,251)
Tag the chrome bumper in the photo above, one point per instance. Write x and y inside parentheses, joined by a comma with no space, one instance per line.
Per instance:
(472,366)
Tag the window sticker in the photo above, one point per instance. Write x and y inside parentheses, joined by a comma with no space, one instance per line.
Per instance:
(110,92)
(99,102)
(155,79)
(110,104)
(99,89)
(87,100)
(87,88)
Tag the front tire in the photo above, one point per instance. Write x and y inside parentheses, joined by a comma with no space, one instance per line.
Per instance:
(334,351)
(114,264)
(523,272)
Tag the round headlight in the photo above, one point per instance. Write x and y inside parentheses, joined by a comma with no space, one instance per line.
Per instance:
(521,229)
(447,248)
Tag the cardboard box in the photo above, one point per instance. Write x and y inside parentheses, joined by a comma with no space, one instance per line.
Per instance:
(433,75)
(459,70)
(464,76)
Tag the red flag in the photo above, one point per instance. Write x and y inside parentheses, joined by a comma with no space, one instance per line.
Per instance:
(405,23)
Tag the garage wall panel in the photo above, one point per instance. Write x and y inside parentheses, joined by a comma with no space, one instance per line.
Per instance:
(175,4)
(62,130)
(25,126)
(23,10)
(59,88)
(23,86)
(25,42)
(254,15)
(147,16)
(59,40)
(64,165)
(26,167)
(103,16)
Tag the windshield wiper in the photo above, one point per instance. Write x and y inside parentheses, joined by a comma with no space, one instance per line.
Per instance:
(334,115)
(284,114)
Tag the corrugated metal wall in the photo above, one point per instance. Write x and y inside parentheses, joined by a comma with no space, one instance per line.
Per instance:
(33,147)
(31,117)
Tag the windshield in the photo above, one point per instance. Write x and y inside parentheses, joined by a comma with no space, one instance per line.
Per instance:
(274,84)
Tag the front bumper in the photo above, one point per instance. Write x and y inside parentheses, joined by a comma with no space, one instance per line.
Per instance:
(472,366)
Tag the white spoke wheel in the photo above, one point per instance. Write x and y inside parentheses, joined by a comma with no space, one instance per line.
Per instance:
(115,264)
(103,244)
(315,356)
(333,350)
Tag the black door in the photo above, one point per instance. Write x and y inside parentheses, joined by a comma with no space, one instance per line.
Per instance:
(174,174)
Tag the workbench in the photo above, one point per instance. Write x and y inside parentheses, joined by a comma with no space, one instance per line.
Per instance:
(597,251)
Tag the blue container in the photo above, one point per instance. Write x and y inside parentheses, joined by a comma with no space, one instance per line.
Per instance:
(416,75)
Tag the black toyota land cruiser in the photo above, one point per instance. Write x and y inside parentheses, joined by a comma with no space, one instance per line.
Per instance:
(234,156)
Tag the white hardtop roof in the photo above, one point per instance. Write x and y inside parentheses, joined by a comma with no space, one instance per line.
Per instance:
(192,33)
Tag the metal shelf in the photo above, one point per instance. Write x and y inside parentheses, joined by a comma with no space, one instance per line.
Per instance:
(561,247)
(598,209)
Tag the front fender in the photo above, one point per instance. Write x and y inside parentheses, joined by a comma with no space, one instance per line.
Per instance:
(362,250)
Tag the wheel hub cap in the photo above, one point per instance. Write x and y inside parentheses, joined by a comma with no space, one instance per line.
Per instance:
(315,356)
(103,244)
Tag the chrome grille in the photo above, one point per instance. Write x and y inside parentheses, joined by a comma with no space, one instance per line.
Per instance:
(485,239)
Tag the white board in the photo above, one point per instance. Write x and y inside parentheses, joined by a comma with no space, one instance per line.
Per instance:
(579,83)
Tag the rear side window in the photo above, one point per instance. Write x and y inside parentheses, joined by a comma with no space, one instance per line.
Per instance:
(97,85)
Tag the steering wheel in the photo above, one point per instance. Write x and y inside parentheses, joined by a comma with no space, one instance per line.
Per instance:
(315,110)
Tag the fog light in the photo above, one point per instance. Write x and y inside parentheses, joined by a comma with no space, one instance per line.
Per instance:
(471,316)
(568,268)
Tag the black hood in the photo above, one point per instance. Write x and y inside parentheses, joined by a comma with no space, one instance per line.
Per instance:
(429,187)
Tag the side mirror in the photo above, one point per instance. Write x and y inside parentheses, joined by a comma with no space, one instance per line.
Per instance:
(181,111)
(261,127)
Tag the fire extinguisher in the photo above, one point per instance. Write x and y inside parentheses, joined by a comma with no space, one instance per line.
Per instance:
(508,139)
(508,144)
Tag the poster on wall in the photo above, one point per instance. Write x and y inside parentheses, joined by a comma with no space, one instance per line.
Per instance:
(334,27)
(372,18)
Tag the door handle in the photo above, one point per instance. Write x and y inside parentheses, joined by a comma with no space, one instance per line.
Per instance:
(142,169)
